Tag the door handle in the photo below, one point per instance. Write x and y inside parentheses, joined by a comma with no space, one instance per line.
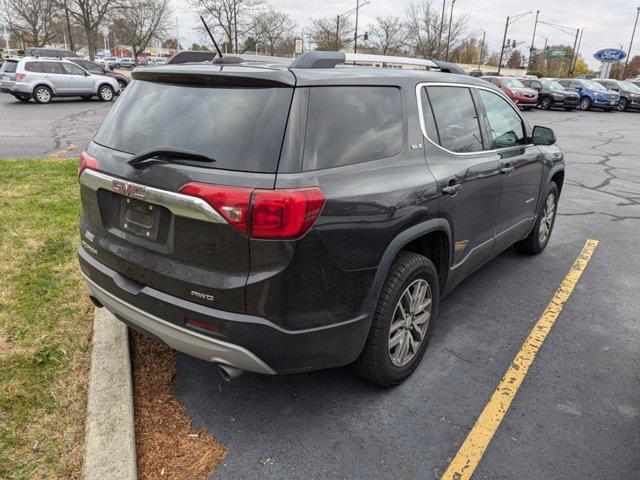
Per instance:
(507,169)
(451,189)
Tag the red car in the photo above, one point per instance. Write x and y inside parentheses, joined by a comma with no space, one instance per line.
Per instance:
(525,98)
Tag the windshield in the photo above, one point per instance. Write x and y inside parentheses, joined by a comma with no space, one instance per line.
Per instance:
(591,85)
(630,87)
(553,86)
(241,128)
(512,83)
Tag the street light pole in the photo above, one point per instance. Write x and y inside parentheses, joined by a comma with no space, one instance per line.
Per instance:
(575,59)
(626,63)
(355,35)
(504,39)
(444,4)
(533,39)
(573,53)
(453,2)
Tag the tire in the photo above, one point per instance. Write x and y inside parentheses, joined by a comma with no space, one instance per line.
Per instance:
(22,97)
(42,94)
(545,103)
(534,243)
(585,103)
(105,93)
(623,105)
(122,84)
(386,365)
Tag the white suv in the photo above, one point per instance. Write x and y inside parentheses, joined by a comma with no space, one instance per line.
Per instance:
(43,78)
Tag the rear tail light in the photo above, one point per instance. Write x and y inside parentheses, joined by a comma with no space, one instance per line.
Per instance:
(281,214)
(86,161)
(21,76)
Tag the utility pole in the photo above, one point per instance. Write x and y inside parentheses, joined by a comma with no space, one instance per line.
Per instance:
(504,39)
(575,60)
(68,22)
(533,40)
(453,2)
(444,4)
(573,55)
(546,56)
(338,33)
(626,63)
(177,35)
(355,35)
(481,51)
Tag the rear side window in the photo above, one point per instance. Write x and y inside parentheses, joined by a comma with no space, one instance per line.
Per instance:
(32,67)
(50,67)
(241,128)
(349,125)
(10,67)
(456,119)
(72,69)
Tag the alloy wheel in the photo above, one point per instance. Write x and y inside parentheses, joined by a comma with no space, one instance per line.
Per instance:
(546,222)
(622,106)
(409,322)
(106,94)
(43,95)
(585,103)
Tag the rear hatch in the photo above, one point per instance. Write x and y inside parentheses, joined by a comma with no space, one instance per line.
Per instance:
(137,220)
(8,73)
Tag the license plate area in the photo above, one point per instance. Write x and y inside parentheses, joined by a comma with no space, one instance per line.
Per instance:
(139,218)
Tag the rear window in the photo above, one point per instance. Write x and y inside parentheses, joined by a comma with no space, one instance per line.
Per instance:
(349,125)
(241,128)
(10,67)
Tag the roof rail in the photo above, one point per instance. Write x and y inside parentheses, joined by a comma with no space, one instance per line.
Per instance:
(333,59)
(189,56)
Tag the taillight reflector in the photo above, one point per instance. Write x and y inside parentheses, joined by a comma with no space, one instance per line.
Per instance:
(86,161)
(281,214)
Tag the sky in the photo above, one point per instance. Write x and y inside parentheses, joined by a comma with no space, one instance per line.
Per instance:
(607,23)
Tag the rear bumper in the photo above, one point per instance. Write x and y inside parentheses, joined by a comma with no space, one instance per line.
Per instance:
(244,341)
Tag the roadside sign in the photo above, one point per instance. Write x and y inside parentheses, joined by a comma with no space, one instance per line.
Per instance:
(558,53)
(298,46)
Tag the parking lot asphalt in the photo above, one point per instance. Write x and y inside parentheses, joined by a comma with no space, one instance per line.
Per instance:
(577,413)
(61,128)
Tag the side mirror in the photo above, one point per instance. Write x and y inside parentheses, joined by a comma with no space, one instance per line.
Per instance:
(543,136)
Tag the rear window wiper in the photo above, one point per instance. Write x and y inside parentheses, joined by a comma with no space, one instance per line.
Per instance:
(168,152)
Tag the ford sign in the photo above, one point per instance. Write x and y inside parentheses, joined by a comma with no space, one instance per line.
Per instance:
(610,55)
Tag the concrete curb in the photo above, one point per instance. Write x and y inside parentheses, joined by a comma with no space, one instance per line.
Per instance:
(110,445)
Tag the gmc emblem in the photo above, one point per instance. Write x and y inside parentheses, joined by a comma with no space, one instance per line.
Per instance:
(128,189)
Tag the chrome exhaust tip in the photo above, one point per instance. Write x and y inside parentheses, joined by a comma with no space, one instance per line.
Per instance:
(229,373)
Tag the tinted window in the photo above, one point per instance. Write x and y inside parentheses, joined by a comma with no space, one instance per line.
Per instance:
(9,67)
(429,120)
(241,128)
(92,67)
(348,125)
(51,67)
(72,69)
(456,119)
(32,67)
(507,129)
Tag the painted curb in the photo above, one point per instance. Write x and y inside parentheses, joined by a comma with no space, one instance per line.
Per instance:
(110,444)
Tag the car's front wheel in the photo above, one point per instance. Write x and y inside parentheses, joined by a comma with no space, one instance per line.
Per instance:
(122,84)
(539,236)
(623,105)
(42,94)
(105,93)
(406,310)
(585,103)
(545,103)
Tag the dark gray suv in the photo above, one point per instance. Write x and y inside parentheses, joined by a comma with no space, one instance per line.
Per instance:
(629,93)
(553,95)
(294,216)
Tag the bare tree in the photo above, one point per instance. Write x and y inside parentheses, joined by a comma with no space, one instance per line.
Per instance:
(388,36)
(430,36)
(140,21)
(233,17)
(31,21)
(90,15)
(331,33)
(271,27)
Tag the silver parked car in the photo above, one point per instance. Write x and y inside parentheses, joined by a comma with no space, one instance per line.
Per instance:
(43,78)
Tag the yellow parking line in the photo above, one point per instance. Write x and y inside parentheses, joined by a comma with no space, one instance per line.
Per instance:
(64,152)
(473,448)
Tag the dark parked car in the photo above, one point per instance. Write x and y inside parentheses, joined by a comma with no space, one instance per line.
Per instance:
(50,52)
(525,98)
(629,93)
(553,95)
(289,217)
(97,69)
